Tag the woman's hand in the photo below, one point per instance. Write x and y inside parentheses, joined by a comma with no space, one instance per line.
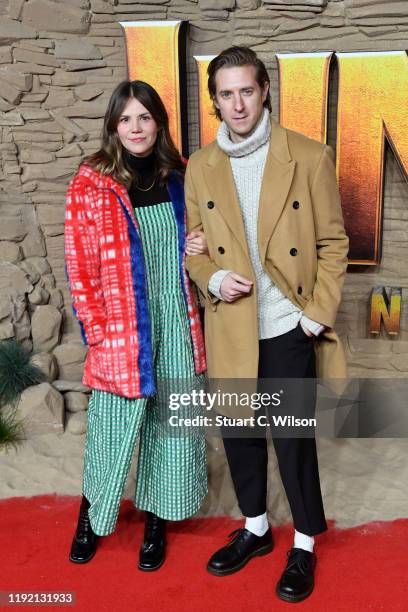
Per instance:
(196,243)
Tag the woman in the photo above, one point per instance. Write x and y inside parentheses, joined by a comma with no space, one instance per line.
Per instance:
(124,245)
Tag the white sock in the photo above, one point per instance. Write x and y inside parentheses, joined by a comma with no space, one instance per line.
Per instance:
(258,525)
(303,541)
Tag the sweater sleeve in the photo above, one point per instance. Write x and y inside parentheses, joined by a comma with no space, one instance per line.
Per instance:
(214,284)
(313,326)
(82,258)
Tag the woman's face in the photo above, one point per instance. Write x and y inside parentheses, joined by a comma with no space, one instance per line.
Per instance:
(137,130)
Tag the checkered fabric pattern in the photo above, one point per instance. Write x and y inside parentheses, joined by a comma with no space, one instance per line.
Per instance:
(171,472)
(106,272)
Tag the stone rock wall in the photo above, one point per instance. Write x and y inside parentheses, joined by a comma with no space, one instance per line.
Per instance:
(58,65)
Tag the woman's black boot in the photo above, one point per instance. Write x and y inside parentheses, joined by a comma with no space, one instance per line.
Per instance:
(152,551)
(84,543)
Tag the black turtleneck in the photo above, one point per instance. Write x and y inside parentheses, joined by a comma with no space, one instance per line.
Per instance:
(144,168)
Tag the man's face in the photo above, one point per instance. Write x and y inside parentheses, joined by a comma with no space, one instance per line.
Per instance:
(239,99)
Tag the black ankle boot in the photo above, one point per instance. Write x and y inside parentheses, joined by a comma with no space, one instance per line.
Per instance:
(84,543)
(152,551)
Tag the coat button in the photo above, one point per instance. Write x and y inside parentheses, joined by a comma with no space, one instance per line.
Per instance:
(293,252)
(210,204)
(299,290)
(221,250)
(295,204)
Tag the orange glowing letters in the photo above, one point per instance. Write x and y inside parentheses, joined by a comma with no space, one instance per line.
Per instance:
(372,107)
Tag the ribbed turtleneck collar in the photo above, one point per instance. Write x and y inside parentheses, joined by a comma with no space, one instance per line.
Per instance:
(141,165)
(239,149)
(146,190)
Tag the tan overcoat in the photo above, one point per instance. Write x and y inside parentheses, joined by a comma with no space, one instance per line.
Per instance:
(302,245)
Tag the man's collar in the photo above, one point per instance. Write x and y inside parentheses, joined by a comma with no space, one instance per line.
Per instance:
(278,145)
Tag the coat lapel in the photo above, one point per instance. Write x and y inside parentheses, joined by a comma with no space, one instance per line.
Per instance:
(276,183)
(220,182)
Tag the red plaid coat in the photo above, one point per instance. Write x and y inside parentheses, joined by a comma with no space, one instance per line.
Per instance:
(106,274)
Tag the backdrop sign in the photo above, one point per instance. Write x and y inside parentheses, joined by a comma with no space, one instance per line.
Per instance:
(372,106)
(386,310)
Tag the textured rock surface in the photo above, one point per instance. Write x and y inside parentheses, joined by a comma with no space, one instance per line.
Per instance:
(248,5)
(76,48)
(6,330)
(11,30)
(10,252)
(39,296)
(14,281)
(5,306)
(70,385)
(46,326)
(70,358)
(217,5)
(56,16)
(75,401)
(76,423)
(42,409)
(47,364)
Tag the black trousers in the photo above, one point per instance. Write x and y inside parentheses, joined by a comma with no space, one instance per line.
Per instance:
(290,355)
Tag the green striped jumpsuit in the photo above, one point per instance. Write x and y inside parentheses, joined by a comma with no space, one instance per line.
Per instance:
(171,476)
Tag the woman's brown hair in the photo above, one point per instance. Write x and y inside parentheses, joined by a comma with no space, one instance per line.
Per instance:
(110,158)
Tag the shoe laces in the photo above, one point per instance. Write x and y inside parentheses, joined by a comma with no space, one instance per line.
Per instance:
(237,533)
(298,561)
(153,527)
(84,528)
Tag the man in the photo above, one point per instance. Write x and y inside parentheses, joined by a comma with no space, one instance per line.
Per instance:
(268,202)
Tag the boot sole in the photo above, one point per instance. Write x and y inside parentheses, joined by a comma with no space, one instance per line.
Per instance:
(258,553)
(81,561)
(151,569)
(293,599)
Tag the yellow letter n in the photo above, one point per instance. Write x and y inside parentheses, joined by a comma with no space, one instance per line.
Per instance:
(386,310)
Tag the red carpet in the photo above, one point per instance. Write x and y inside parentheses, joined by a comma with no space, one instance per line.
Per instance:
(364,568)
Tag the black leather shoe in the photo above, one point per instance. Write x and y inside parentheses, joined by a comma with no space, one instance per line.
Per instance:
(297,581)
(84,543)
(239,551)
(152,551)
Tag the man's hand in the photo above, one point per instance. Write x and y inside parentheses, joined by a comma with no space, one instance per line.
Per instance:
(234,286)
(311,327)
(307,331)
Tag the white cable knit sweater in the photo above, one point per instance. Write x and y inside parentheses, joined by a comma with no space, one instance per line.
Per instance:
(276,313)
